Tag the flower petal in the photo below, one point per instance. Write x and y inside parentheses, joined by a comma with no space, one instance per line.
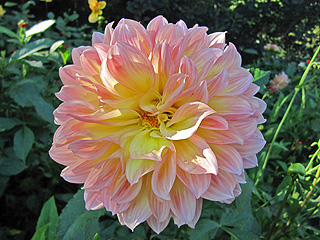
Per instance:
(197,183)
(127,65)
(195,156)
(228,158)
(138,212)
(136,168)
(183,202)
(143,146)
(186,120)
(124,191)
(163,177)
(156,225)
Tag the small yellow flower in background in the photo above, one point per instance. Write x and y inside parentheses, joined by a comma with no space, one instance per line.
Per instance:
(96,8)
(2,11)
(280,81)
(46,0)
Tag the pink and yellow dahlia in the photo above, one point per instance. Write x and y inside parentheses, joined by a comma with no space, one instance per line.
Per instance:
(156,119)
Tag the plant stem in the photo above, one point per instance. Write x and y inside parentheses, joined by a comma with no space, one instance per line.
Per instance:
(290,221)
(296,90)
(311,160)
(283,203)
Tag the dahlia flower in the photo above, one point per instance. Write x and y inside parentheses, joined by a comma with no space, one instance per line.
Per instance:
(156,119)
(280,81)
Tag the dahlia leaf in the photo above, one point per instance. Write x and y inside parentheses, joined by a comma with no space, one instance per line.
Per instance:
(22,142)
(39,27)
(31,48)
(75,222)
(47,222)
(10,166)
(206,229)
(8,123)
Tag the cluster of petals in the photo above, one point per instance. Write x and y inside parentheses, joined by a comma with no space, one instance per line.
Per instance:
(272,47)
(156,119)
(280,81)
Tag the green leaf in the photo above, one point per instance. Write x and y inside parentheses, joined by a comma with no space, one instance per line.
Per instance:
(75,222)
(31,48)
(205,229)
(55,45)
(3,183)
(39,27)
(43,109)
(11,166)
(231,218)
(22,142)
(251,51)
(9,32)
(297,168)
(8,123)
(261,78)
(10,4)
(238,234)
(47,222)
(24,91)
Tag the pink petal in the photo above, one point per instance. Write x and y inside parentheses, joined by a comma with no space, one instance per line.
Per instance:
(74,92)
(163,64)
(246,127)
(197,214)
(163,177)
(108,32)
(78,173)
(102,175)
(124,191)
(217,38)
(251,146)
(239,81)
(233,107)
(127,65)
(214,122)
(218,83)
(195,156)
(154,27)
(221,187)
(156,225)
(102,50)
(185,121)
(91,149)
(231,135)
(188,67)
(132,33)
(160,208)
(197,183)
(228,158)
(69,74)
(138,212)
(113,206)
(172,90)
(195,40)
(93,200)
(61,154)
(183,202)
(90,61)
(197,93)
(250,162)
(97,37)
(76,53)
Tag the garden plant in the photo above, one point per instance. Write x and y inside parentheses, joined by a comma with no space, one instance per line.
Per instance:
(160,119)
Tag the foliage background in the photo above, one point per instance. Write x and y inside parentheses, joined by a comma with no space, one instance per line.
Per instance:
(29,79)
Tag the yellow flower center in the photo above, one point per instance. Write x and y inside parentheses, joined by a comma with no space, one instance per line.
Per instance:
(149,120)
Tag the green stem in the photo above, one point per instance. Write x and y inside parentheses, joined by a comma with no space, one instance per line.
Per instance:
(283,203)
(291,220)
(296,90)
(311,160)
